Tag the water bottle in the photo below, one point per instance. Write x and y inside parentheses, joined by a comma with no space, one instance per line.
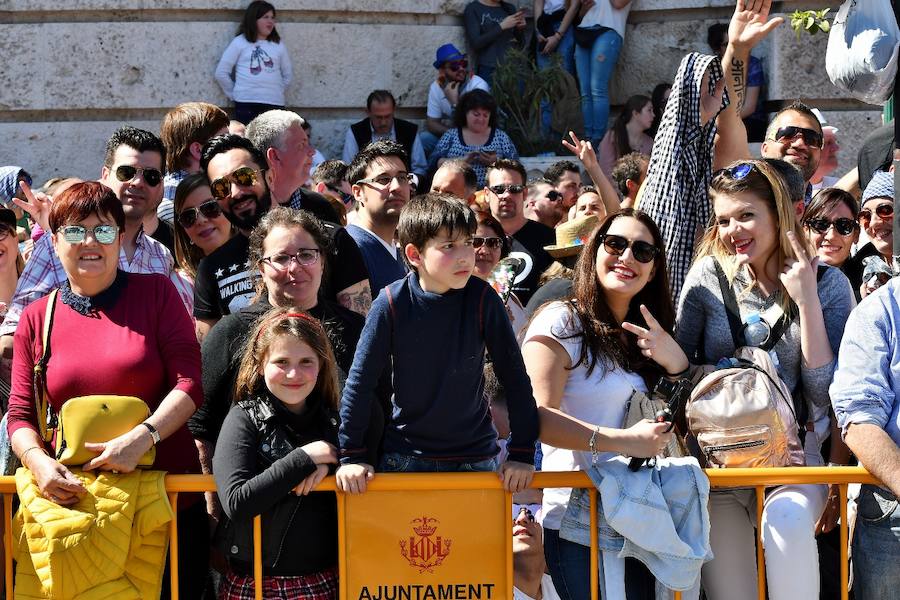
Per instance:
(756,332)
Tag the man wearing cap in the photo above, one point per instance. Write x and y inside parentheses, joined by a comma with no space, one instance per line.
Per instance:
(571,237)
(876,219)
(453,80)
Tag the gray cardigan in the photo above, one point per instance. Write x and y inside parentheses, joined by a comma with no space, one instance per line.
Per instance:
(703,322)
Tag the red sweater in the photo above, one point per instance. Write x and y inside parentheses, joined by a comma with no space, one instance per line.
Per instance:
(144,345)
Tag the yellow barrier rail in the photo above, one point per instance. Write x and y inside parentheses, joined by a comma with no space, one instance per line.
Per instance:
(759,479)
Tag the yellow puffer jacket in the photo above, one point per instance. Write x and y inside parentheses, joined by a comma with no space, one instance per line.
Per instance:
(111,544)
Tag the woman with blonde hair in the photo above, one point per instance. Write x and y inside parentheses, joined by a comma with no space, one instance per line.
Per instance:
(761,250)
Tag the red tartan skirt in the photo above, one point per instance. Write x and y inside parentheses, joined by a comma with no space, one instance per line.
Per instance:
(317,586)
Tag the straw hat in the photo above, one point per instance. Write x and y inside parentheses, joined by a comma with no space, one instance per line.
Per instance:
(572,235)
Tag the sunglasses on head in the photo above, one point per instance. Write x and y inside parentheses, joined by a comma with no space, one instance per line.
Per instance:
(811,137)
(514,188)
(456,65)
(210,209)
(491,242)
(737,172)
(643,252)
(128,172)
(243,176)
(884,211)
(76,234)
(843,225)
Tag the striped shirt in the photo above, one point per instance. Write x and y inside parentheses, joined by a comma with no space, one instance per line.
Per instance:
(680,171)
(44,272)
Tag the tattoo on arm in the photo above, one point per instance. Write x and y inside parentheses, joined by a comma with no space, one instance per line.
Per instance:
(738,79)
(357,298)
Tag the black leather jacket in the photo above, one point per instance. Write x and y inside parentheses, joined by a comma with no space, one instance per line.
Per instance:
(258,461)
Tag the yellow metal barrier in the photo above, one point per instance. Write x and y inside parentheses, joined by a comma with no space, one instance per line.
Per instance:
(759,479)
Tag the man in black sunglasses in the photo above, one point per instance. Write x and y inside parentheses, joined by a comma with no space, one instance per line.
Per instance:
(506,192)
(545,203)
(876,218)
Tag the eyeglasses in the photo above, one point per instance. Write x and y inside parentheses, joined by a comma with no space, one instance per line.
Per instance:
(884,211)
(843,226)
(210,209)
(491,242)
(344,196)
(810,137)
(76,234)
(458,64)
(244,176)
(553,196)
(304,257)
(128,172)
(529,516)
(382,181)
(643,252)
(514,188)
(737,172)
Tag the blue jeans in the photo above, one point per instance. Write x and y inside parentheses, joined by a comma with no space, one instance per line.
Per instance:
(876,546)
(595,66)
(393,462)
(570,568)
(566,51)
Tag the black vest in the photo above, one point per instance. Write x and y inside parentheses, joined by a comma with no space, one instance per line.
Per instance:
(405,131)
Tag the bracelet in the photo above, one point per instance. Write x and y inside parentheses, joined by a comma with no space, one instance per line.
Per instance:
(680,373)
(24,454)
(592,445)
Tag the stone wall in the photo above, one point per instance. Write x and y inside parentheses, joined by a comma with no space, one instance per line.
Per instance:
(76,69)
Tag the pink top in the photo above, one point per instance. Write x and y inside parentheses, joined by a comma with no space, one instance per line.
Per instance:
(143,345)
(609,152)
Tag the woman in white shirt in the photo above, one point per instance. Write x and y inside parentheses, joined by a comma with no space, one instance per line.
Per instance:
(585,357)
(255,69)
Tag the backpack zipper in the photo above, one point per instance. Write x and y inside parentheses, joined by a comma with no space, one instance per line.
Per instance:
(736,446)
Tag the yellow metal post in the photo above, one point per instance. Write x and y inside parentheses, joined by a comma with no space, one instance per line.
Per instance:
(760,551)
(173,547)
(845,549)
(257,557)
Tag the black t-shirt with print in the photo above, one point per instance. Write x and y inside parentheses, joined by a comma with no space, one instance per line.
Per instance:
(528,244)
(224,283)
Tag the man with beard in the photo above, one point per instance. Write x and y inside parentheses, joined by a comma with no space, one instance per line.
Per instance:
(795,136)
(506,194)
(133,170)
(565,177)
(544,203)
(380,180)
(279,135)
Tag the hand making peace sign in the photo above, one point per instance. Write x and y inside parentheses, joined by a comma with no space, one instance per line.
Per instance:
(656,343)
(799,274)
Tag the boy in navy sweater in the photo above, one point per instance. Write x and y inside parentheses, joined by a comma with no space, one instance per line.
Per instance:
(434,325)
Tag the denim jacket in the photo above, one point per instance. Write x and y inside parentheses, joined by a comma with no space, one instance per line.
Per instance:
(657,515)
(867,377)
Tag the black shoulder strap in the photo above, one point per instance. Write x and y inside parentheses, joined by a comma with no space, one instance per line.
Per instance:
(731,306)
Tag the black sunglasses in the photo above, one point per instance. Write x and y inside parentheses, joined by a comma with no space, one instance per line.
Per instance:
(210,209)
(643,252)
(490,242)
(737,172)
(884,211)
(514,188)
(127,173)
(843,225)
(553,196)
(243,176)
(346,198)
(811,137)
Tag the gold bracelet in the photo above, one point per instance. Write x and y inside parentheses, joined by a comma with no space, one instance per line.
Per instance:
(24,454)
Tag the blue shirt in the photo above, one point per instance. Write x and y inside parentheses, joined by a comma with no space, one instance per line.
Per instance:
(435,345)
(867,377)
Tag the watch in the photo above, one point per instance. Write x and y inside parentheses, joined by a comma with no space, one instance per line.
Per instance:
(154,434)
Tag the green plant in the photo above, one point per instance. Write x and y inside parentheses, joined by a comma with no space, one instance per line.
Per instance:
(519,88)
(812,21)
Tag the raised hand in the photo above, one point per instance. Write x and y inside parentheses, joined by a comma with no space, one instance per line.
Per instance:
(36,205)
(799,274)
(750,23)
(656,343)
(583,150)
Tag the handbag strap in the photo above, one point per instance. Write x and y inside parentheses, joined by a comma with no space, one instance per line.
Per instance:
(731,306)
(42,402)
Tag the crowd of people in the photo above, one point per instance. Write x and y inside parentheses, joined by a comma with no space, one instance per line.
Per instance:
(423,305)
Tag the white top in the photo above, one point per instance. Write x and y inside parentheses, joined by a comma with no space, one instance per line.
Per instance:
(548,592)
(551,6)
(438,105)
(255,71)
(603,13)
(599,399)
(418,164)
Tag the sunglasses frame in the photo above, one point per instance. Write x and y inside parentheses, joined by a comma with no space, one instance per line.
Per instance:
(866,213)
(295,257)
(139,171)
(198,210)
(406,179)
(227,180)
(553,196)
(504,187)
(97,235)
(456,65)
(829,224)
(478,241)
(633,244)
(809,135)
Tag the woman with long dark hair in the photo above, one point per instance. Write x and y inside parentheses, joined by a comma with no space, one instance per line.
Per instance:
(614,336)
(628,133)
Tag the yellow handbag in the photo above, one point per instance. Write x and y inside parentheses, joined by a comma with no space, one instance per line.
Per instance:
(97,418)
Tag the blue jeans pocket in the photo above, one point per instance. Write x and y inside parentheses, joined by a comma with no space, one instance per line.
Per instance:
(394,463)
(479,466)
(874,505)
